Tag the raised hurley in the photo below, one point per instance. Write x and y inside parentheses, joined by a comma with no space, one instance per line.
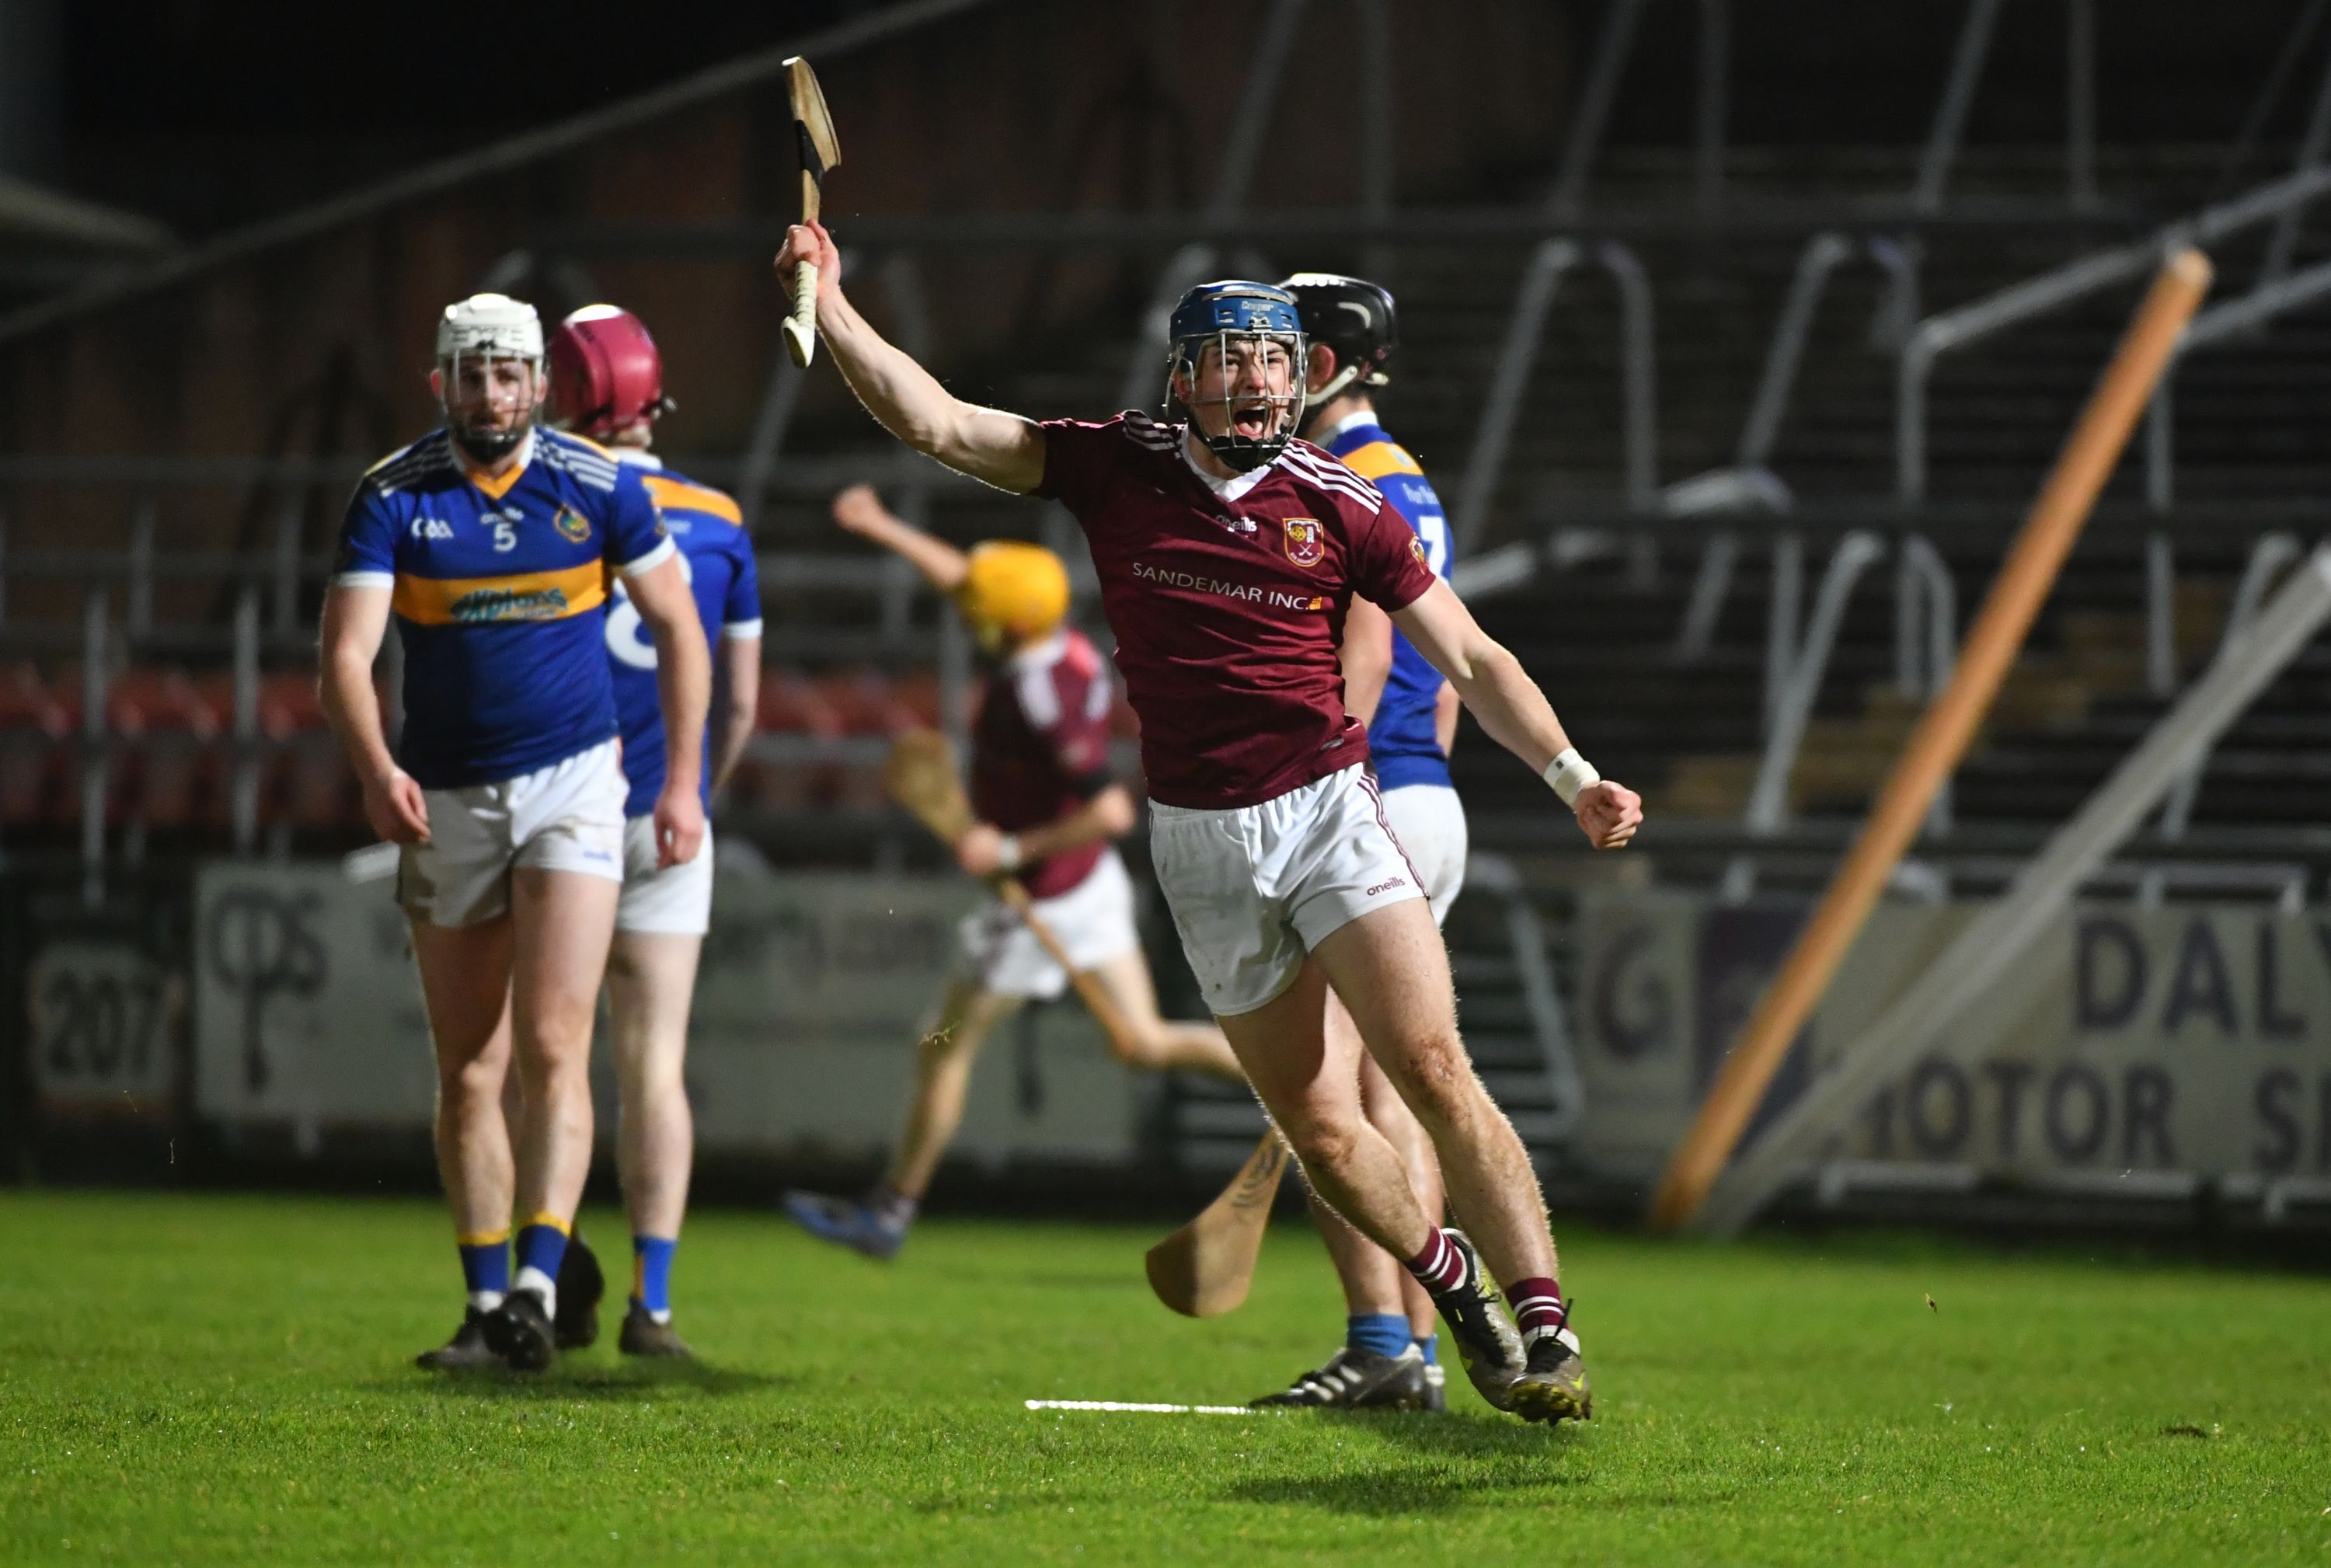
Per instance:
(821,150)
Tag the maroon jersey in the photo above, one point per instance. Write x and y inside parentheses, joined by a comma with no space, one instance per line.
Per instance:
(1228,611)
(1040,749)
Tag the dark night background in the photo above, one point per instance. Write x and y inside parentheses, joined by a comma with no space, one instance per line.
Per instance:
(204,114)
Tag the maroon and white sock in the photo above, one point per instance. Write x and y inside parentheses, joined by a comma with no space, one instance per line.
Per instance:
(1539,1309)
(1440,1267)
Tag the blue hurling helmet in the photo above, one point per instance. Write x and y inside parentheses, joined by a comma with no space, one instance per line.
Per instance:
(1221,314)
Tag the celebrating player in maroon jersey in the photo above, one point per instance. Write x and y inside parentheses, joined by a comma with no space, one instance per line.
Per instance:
(1049,804)
(1228,553)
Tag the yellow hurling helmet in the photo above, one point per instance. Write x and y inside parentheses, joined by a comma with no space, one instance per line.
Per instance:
(1013,593)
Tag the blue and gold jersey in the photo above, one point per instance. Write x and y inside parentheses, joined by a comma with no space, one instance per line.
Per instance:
(1401,739)
(500,589)
(718,556)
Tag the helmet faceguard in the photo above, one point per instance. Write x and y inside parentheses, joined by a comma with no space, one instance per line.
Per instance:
(482,339)
(1257,339)
(606,377)
(1356,318)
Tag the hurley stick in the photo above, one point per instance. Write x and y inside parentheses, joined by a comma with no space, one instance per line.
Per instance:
(921,775)
(821,150)
(1203,1270)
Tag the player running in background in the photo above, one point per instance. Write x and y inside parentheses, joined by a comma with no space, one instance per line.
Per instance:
(1048,808)
(1351,330)
(1228,553)
(491,541)
(606,382)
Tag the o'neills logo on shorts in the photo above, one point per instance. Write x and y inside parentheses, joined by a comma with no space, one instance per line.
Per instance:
(509,604)
(1388,887)
(1276,598)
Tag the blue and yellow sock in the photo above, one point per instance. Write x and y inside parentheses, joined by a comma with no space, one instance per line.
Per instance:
(1384,1333)
(652,1275)
(541,1248)
(1427,1345)
(485,1267)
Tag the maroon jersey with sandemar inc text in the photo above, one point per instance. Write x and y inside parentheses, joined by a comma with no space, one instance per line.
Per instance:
(1040,749)
(1228,606)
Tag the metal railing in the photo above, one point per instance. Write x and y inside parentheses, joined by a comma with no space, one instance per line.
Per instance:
(1582,138)
(1750,485)
(2232,320)
(272,597)
(1549,1021)
(1795,664)
(1952,331)
(2271,557)
(1517,356)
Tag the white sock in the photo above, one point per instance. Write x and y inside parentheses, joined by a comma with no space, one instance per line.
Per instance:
(484,1301)
(1562,1334)
(660,1317)
(532,1278)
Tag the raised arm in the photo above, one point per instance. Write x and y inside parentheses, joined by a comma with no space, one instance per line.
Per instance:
(1509,704)
(860,511)
(354,619)
(1001,448)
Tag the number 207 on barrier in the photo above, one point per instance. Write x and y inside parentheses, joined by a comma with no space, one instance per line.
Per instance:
(104,1034)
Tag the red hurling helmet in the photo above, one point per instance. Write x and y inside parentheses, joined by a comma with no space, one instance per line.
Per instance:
(605,375)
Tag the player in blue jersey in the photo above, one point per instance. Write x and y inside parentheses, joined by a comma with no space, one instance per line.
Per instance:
(1352,330)
(606,382)
(492,542)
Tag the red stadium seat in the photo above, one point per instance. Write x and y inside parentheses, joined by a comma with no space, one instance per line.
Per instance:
(33,729)
(866,703)
(318,788)
(25,702)
(791,705)
(175,762)
(918,691)
(289,706)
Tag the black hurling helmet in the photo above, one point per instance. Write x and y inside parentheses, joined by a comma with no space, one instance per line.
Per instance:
(1353,316)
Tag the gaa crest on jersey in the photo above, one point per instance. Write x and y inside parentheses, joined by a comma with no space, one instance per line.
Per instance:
(1416,548)
(571,525)
(1305,541)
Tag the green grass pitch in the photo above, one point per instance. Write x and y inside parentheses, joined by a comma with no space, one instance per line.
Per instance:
(226,1380)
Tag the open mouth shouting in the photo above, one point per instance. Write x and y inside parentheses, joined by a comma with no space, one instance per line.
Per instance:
(1252,418)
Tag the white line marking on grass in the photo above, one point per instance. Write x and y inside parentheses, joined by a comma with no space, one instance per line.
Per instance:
(1126,1407)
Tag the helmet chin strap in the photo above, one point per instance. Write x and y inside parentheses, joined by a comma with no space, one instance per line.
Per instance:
(1237,454)
(1327,393)
(488,446)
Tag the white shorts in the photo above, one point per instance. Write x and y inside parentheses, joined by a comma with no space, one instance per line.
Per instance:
(1429,821)
(1254,889)
(1093,920)
(566,817)
(669,901)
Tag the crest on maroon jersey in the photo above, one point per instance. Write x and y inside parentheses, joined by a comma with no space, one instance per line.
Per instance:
(1306,543)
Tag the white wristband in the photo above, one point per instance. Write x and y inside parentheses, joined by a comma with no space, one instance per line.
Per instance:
(1570,773)
(1007,853)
